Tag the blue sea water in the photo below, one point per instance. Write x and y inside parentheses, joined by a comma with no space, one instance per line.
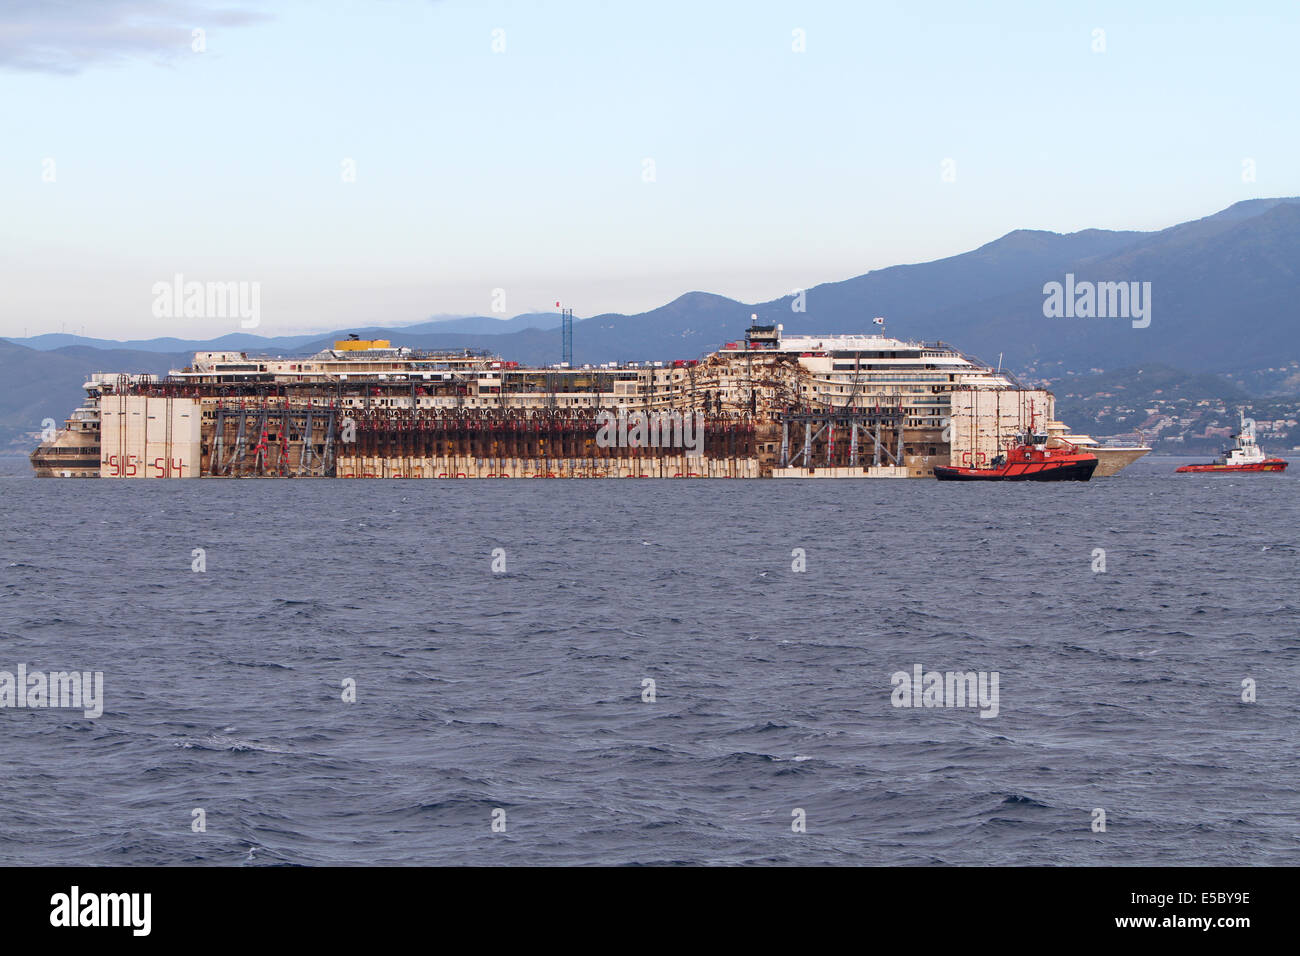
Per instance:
(521,691)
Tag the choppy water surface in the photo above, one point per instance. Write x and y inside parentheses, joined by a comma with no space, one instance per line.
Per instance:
(523,690)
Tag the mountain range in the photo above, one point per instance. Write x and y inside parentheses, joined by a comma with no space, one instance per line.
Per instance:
(1225,297)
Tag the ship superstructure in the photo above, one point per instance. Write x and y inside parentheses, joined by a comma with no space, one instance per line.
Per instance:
(73,451)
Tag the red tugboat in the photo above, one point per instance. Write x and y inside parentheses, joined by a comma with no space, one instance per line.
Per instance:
(1245,456)
(1028,459)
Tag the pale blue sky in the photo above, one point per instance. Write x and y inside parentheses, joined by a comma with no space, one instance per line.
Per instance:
(523,170)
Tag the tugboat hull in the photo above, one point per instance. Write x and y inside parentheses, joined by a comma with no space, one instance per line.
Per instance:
(1269,464)
(1078,470)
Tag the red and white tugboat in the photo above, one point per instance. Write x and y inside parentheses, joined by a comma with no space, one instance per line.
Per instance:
(1245,456)
(1028,458)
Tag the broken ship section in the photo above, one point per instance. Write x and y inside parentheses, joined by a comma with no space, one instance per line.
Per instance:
(286,439)
(835,406)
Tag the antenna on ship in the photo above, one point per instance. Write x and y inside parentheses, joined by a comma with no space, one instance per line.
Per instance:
(566,336)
